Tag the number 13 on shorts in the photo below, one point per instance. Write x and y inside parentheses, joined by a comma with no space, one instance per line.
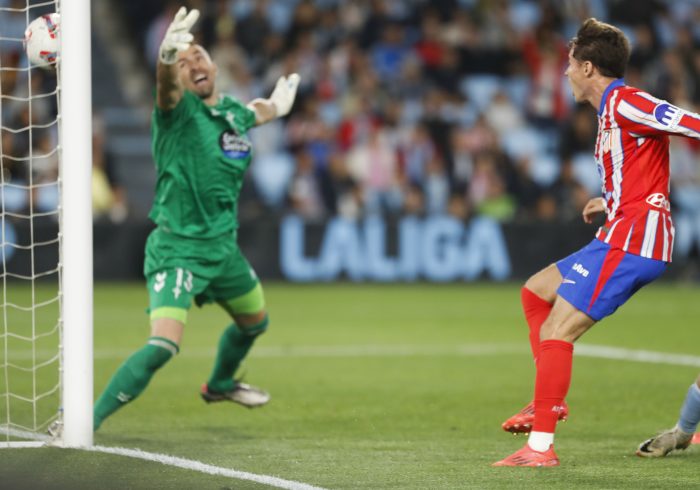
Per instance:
(171,287)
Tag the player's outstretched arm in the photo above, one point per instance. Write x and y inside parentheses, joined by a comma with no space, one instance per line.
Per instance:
(177,38)
(280,102)
(646,115)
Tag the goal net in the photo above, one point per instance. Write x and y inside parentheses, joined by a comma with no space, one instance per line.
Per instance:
(35,219)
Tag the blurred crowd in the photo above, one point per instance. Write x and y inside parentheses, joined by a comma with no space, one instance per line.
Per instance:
(413,106)
(440,106)
(29,131)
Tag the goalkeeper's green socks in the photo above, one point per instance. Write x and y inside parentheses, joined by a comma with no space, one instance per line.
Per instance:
(132,377)
(234,345)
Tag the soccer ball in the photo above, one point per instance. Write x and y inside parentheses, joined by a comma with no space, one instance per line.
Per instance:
(42,40)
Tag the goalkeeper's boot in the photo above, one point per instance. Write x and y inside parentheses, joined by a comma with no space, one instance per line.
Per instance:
(664,443)
(526,456)
(243,394)
(521,422)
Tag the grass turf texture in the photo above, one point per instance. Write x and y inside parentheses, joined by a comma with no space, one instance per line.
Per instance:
(383,421)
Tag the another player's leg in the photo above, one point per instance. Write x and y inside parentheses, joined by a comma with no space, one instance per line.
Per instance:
(250,321)
(537,298)
(132,377)
(680,436)
(564,325)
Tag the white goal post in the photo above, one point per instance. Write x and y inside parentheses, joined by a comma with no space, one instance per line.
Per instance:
(75,116)
(46,286)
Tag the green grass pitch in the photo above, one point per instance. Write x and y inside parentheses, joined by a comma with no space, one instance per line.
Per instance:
(373,387)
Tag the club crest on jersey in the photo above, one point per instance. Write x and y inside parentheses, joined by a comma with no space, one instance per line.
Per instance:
(667,115)
(233,145)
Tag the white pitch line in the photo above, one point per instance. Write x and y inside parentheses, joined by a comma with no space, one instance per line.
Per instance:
(23,434)
(190,464)
(393,350)
(646,356)
(41,440)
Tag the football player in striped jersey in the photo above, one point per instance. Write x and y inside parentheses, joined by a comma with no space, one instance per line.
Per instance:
(631,249)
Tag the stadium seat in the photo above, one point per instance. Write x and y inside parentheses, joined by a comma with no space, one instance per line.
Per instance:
(47,198)
(480,89)
(585,171)
(524,143)
(544,169)
(271,175)
(14,199)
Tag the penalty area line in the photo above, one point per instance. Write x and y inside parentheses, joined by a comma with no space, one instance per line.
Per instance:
(192,465)
(398,351)
(40,440)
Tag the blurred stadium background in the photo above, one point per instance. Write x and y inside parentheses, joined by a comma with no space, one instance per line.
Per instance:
(448,123)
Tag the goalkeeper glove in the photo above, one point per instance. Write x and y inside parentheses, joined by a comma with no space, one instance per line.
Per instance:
(284,93)
(177,37)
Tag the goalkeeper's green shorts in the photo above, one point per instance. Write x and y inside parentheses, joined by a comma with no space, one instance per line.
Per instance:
(179,270)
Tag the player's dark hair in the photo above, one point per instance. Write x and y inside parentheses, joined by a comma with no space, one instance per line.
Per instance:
(604,45)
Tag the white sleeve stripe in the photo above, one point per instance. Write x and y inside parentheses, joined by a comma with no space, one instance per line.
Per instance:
(635,115)
(638,116)
(665,252)
(650,234)
(673,239)
(649,97)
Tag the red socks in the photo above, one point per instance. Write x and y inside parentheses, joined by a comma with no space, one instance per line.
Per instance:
(536,312)
(552,382)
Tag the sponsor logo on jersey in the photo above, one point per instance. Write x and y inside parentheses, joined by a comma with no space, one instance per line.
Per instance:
(658,200)
(234,145)
(580,269)
(667,115)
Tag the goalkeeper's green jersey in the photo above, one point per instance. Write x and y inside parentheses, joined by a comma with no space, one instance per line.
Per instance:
(201,154)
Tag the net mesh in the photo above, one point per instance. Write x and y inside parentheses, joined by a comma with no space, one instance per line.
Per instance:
(30,328)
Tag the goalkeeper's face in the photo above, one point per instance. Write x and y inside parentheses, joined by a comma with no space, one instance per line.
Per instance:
(197,71)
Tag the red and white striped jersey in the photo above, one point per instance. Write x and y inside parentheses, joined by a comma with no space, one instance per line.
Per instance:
(631,152)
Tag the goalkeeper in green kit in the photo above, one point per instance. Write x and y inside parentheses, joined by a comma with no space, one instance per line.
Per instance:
(201,153)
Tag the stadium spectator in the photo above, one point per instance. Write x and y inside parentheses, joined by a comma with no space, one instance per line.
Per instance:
(341,194)
(682,434)
(305,191)
(13,22)
(108,195)
(374,164)
(545,54)
(156,32)
(487,189)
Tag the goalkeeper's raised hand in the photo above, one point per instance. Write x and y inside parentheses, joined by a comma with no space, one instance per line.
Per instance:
(284,94)
(177,37)
(280,101)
